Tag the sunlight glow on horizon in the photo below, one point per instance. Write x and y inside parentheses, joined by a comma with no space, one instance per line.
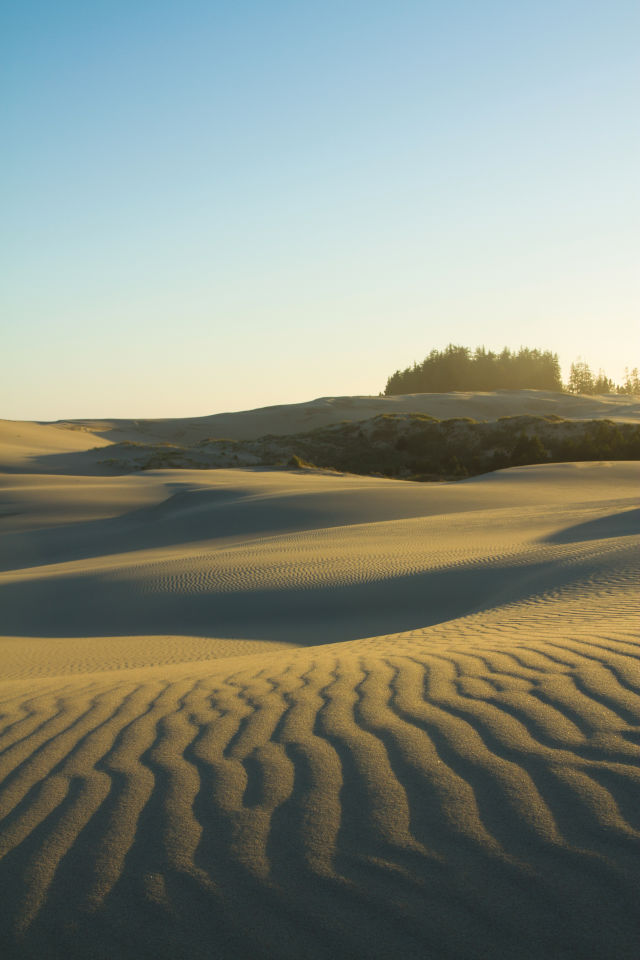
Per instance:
(214,208)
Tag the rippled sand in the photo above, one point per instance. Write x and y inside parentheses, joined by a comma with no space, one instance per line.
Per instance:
(279,715)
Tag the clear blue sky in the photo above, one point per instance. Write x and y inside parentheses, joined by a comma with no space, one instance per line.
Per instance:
(212,206)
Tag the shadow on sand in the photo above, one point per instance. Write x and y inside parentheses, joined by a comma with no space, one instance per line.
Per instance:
(623,524)
(102,605)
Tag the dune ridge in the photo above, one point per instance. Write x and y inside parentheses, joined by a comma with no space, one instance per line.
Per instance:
(279,715)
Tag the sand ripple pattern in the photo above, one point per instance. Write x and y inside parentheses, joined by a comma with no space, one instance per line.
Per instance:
(353,556)
(443,796)
(279,717)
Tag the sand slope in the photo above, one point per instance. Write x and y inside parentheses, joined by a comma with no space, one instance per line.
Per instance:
(64,446)
(300,417)
(273,715)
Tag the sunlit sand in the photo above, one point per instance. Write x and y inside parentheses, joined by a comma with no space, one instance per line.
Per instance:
(274,714)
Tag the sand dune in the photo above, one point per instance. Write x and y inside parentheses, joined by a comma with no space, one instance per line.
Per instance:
(282,715)
(299,417)
(64,446)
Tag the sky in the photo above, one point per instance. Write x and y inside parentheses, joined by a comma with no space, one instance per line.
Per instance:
(214,206)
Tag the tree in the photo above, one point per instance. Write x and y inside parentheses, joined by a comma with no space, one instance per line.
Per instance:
(528,449)
(581,379)
(457,368)
(603,383)
(631,382)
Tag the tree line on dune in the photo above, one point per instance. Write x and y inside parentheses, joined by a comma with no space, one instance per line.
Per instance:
(459,368)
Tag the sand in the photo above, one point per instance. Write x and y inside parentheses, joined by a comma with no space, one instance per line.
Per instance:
(274,714)
(81,446)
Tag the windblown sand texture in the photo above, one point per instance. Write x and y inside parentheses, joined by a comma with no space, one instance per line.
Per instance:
(293,715)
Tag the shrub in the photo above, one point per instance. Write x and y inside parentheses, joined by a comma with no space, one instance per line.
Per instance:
(299,464)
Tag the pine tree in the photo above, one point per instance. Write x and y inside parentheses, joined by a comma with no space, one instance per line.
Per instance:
(581,379)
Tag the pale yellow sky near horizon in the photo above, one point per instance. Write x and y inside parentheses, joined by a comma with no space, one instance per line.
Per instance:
(210,208)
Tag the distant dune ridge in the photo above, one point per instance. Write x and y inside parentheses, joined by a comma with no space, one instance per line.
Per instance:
(82,446)
(284,714)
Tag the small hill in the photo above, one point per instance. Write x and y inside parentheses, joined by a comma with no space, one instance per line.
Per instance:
(75,446)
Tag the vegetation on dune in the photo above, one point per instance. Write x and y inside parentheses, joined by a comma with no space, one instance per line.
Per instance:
(408,446)
(420,447)
(582,380)
(459,368)
(297,463)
